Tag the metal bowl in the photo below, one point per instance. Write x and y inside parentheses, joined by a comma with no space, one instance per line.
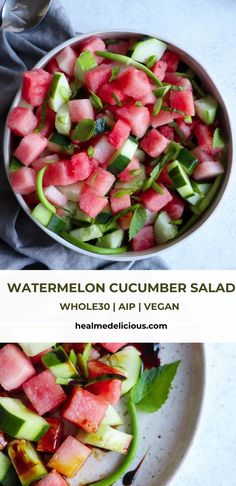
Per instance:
(225,120)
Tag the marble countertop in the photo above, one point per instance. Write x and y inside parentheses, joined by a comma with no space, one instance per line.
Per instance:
(207,28)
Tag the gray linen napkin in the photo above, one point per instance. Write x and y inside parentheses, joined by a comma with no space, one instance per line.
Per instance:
(21,242)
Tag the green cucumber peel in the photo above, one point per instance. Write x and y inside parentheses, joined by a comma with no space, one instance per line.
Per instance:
(91,248)
(129,62)
(116,475)
(218,139)
(83,358)
(40,193)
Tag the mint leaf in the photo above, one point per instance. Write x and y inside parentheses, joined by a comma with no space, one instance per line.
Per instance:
(114,73)
(95,100)
(84,130)
(153,387)
(137,222)
(218,140)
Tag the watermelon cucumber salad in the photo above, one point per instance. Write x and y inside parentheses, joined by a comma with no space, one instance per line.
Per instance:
(44,388)
(116,146)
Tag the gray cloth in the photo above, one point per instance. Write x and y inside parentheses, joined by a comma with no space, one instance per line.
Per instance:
(22,243)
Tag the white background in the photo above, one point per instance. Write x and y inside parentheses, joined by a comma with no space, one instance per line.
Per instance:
(206,28)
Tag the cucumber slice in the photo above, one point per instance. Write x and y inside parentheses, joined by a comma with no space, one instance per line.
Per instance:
(42,214)
(164,229)
(206,108)
(85,62)
(129,361)
(32,349)
(20,422)
(200,191)
(122,157)
(86,234)
(81,216)
(112,418)
(8,475)
(63,121)
(107,438)
(59,91)
(57,224)
(111,240)
(140,154)
(26,461)
(180,179)
(187,160)
(59,363)
(147,48)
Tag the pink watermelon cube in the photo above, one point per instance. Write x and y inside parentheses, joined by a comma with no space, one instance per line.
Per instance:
(55,196)
(175,208)
(59,174)
(70,457)
(101,181)
(44,393)
(90,202)
(155,201)
(201,155)
(204,135)
(159,69)
(121,47)
(52,479)
(95,44)
(113,347)
(167,132)
(172,78)
(23,181)
(42,161)
(81,166)
(124,221)
(98,76)
(119,203)
(154,143)
(164,177)
(52,67)
(149,99)
(144,240)
(137,117)
(35,86)
(66,60)
(22,121)
(80,109)
(103,150)
(109,91)
(15,367)
(72,191)
(30,147)
(127,174)
(183,101)
(119,134)
(110,390)
(134,83)
(172,59)
(85,409)
(163,118)
(208,170)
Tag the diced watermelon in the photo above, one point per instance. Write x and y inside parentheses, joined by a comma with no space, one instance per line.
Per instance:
(90,202)
(52,66)
(208,170)
(35,86)
(98,76)
(154,143)
(81,166)
(164,177)
(15,367)
(110,91)
(30,147)
(85,409)
(186,128)
(66,60)
(50,114)
(137,117)
(72,191)
(172,78)
(124,221)
(80,109)
(51,441)
(183,101)
(3,441)
(155,201)
(22,121)
(23,180)
(101,181)
(120,47)
(204,135)
(149,99)
(119,203)
(159,69)
(95,44)
(134,83)
(201,155)
(55,196)
(144,240)
(44,393)
(126,174)
(119,134)
(42,161)
(59,174)
(162,118)
(172,59)
(113,347)
(70,457)
(103,150)
(167,132)
(175,208)
(110,390)
(52,479)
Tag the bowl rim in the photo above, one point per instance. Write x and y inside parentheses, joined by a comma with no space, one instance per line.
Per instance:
(209,212)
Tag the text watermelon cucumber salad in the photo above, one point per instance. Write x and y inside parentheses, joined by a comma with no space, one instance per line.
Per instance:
(117,145)
(58,402)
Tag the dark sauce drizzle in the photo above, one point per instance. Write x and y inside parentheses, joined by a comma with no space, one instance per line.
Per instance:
(130,476)
(149,354)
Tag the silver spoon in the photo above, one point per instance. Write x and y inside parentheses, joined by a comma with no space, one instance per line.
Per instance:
(22,15)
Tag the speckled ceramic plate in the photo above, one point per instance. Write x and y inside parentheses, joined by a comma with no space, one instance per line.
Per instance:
(166,435)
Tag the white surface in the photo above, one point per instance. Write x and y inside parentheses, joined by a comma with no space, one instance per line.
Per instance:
(207,29)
